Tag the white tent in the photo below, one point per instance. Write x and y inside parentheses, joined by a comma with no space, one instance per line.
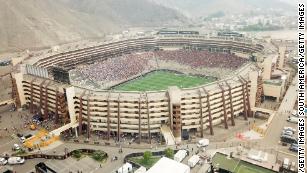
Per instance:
(166,165)
(259,156)
(140,170)
(193,160)
(126,168)
(180,155)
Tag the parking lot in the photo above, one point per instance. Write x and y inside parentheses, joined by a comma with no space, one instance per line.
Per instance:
(272,138)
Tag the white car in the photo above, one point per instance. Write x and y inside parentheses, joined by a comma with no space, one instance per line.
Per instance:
(292,119)
(22,139)
(294,113)
(203,143)
(287,132)
(286,163)
(15,160)
(16,147)
(3,161)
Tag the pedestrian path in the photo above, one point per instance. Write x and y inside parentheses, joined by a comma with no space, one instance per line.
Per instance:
(168,135)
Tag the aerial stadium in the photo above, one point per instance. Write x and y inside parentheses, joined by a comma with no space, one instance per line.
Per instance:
(170,81)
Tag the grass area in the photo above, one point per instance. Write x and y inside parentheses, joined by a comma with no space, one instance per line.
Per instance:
(161,80)
(245,167)
(20,152)
(221,161)
(98,155)
(236,166)
(147,165)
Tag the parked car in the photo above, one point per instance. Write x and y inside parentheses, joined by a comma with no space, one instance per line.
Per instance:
(203,143)
(3,161)
(286,163)
(22,139)
(292,119)
(293,147)
(294,113)
(288,139)
(15,160)
(16,147)
(28,136)
(287,132)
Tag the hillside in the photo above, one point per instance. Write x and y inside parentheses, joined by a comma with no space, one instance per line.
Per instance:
(38,23)
(127,12)
(195,8)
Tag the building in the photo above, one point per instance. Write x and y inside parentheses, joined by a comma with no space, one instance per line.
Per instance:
(228,164)
(143,113)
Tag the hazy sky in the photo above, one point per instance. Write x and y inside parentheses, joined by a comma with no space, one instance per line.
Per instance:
(294,2)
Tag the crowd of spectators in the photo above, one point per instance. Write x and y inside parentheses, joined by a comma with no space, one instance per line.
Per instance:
(200,59)
(118,68)
(127,66)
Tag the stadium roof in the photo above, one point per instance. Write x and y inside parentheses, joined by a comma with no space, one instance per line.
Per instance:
(169,166)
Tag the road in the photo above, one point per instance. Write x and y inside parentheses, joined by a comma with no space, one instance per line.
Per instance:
(273,133)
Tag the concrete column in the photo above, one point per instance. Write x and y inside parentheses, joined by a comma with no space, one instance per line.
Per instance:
(148,119)
(57,106)
(140,134)
(231,105)
(46,100)
(201,114)
(170,111)
(31,97)
(41,99)
(108,116)
(70,94)
(76,132)
(88,118)
(247,97)
(19,78)
(209,111)
(80,112)
(267,68)
(118,117)
(244,100)
(224,107)
(253,77)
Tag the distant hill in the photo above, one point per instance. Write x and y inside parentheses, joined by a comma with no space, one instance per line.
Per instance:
(127,12)
(37,23)
(206,7)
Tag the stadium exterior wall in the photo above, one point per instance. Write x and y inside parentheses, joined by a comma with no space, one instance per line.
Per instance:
(142,113)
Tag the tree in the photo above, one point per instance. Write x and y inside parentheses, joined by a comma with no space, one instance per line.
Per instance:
(77,154)
(99,155)
(169,153)
(147,156)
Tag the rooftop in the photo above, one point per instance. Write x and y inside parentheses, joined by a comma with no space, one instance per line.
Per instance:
(276,82)
(234,165)
(169,166)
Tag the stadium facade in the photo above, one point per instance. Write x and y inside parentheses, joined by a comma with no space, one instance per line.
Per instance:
(143,113)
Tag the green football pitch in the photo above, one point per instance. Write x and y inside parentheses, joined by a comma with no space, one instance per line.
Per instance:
(161,80)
